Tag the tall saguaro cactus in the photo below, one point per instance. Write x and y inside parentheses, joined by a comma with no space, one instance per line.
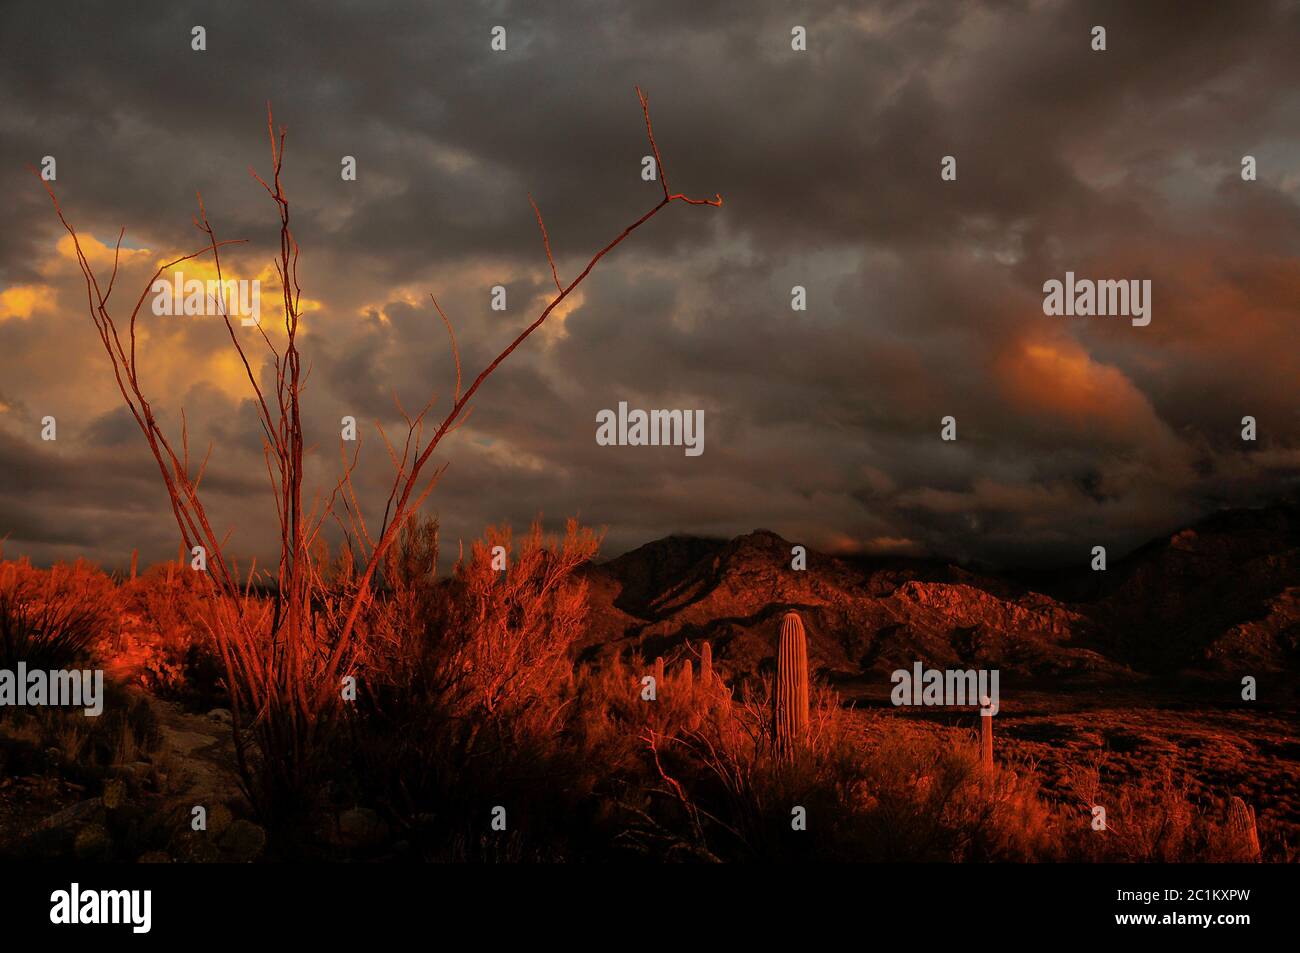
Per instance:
(790,702)
(706,664)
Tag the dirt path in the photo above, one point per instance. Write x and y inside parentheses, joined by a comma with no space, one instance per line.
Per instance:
(203,748)
(200,746)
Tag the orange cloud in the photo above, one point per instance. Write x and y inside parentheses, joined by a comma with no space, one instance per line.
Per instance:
(21,300)
(98,253)
(1058,380)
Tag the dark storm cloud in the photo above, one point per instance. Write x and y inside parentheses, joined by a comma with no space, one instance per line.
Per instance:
(924,296)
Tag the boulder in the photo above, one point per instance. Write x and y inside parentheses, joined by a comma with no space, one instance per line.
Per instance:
(243,842)
(114,795)
(361,827)
(93,844)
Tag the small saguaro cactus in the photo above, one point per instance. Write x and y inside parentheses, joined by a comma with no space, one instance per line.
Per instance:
(986,739)
(1241,821)
(659,673)
(706,664)
(790,701)
(686,688)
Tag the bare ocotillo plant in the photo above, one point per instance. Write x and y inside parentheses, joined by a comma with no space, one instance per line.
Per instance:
(285,659)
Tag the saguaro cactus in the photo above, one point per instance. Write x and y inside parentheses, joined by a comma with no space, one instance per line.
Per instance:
(688,673)
(706,664)
(1241,821)
(790,702)
(659,673)
(986,739)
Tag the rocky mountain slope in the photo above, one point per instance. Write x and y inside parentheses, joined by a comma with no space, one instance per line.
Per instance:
(1221,595)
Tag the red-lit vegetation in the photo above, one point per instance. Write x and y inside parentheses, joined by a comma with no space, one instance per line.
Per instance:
(469,697)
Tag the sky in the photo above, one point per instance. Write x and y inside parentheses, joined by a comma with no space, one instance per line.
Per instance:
(924,296)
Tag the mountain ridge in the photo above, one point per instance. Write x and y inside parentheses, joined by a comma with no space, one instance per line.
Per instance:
(1221,594)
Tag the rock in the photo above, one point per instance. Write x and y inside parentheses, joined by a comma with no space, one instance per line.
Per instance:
(138,775)
(114,794)
(121,771)
(195,847)
(219,819)
(81,811)
(93,843)
(220,714)
(361,827)
(243,842)
(155,857)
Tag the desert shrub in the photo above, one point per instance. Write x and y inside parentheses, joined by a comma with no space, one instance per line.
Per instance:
(169,601)
(86,747)
(464,688)
(184,667)
(927,799)
(52,618)
(1150,818)
(167,605)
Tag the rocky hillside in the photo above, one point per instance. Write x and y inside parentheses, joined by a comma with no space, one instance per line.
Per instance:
(1224,594)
